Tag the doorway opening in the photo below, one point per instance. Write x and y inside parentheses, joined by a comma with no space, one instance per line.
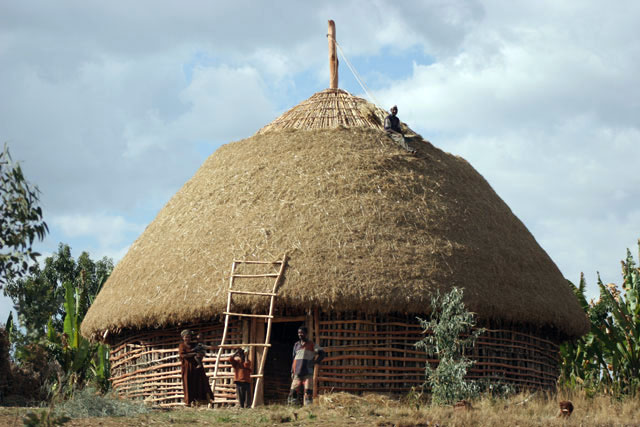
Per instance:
(277,368)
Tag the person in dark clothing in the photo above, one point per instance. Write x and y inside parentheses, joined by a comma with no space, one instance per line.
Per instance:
(194,379)
(392,127)
(305,355)
(242,377)
(199,348)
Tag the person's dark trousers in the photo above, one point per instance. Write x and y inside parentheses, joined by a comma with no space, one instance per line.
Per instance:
(242,391)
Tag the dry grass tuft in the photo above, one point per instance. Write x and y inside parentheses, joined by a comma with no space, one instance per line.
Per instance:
(374,410)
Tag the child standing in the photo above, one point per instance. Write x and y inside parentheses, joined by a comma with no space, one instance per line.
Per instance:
(242,376)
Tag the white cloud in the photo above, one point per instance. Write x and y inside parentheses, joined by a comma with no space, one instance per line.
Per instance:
(541,97)
(107,230)
(548,113)
(222,104)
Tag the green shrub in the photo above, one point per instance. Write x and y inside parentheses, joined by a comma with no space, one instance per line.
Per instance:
(89,402)
(449,332)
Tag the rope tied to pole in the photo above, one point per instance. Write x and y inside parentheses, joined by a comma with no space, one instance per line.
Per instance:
(355,74)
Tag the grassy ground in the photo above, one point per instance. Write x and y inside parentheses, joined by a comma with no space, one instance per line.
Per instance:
(375,410)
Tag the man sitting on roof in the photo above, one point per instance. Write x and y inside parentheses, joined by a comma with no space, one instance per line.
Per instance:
(305,355)
(392,127)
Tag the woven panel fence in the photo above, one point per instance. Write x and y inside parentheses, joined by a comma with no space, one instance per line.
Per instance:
(365,353)
(145,365)
(368,353)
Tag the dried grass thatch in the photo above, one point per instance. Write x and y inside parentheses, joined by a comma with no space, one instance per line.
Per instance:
(367,227)
(329,109)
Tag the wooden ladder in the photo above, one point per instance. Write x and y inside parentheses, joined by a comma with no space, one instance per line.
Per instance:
(268,317)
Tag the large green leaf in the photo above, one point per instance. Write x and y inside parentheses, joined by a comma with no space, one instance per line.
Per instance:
(9,327)
(81,357)
(70,318)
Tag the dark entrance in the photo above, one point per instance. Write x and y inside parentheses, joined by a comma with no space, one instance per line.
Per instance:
(277,379)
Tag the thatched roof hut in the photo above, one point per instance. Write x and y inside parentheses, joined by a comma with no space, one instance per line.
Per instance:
(368,228)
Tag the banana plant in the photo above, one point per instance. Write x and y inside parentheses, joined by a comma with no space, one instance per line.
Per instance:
(621,330)
(100,367)
(608,357)
(71,350)
(583,361)
(10,327)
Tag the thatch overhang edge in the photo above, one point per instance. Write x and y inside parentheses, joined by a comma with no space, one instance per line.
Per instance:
(460,222)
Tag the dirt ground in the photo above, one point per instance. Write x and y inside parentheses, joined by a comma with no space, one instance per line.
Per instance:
(374,410)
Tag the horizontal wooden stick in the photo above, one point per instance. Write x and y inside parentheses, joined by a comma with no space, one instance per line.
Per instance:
(262,316)
(288,319)
(327,332)
(406,340)
(244,345)
(368,322)
(268,294)
(327,368)
(347,348)
(364,389)
(239,261)
(371,374)
(366,357)
(253,276)
(382,380)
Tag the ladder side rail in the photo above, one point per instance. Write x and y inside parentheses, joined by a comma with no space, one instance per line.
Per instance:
(267,339)
(226,327)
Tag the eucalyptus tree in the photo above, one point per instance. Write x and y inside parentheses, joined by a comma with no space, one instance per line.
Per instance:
(21,220)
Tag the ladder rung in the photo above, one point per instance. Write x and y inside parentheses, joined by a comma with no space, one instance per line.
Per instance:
(239,261)
(267,294)
(243,345)
(263,316)
(253,276)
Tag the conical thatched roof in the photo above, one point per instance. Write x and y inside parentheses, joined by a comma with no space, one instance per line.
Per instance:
(367,227)
(328,109)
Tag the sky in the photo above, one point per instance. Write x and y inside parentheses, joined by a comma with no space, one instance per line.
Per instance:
(111,107)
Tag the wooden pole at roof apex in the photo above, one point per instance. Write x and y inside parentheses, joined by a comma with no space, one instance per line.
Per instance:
(333,56)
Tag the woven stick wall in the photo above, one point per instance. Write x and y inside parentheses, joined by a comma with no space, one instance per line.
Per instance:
(521,359)
(145,365)
(367,353)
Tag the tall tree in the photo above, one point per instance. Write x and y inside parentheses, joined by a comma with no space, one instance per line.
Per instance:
(51,303)
(40,296)
(21,221)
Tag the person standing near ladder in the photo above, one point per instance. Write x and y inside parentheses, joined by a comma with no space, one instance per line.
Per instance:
(305,355)
(242,377)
